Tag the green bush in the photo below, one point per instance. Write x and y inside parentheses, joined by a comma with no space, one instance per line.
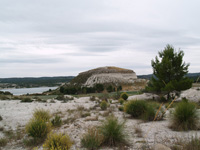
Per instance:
(104,105)
(185,116)
(56,121)
(140,109)
(92,139)
(124,96)
(121,101)
(42,114)
(59,141)
(38,128)
(3,142)
(110,89)
(135,108)
(149,113)
(121,108)
(113,132)
(26,100)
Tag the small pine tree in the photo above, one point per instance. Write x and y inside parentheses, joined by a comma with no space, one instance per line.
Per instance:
(169,72)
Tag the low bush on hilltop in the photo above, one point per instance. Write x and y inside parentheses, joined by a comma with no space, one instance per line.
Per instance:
(140,109)
(57,141)
(185,116)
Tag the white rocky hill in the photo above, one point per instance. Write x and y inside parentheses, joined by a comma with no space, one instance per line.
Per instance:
(110,76)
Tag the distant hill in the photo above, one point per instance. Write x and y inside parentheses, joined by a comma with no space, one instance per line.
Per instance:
(193,76)
(101,75)
(35,82)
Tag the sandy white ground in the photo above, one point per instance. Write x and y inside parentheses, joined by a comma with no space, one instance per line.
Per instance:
(16,114)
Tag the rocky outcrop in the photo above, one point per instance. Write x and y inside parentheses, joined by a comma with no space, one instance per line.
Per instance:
(192,94)
(144,96)
(110,76)
(115,78)
(161,147)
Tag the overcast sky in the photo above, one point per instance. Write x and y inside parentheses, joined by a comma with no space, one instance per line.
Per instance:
(65,37)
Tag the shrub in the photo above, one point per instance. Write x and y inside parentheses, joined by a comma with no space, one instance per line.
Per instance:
(57,141)
(38,128)
(135,108)
(92,98)
(56,121)
(124,96)
(185,116)
(92,139)
(149,113)
(140,109)
(60,97)
(113,132)
(121,108)
(193,144)
(121,101)
(1,118)
(110,89)
(3,142)
(104,105)
(26,100)
(42,114)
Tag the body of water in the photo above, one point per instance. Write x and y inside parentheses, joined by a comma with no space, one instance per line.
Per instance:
(22,91)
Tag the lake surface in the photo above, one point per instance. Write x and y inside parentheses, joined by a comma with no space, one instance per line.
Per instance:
(22,91)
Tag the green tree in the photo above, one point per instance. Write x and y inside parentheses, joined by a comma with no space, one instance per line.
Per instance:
(110,88)
(169,72)
(99,87)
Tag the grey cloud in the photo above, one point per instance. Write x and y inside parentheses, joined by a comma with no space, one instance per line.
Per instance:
(67,33)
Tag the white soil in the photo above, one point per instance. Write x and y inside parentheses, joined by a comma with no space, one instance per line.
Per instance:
(15,115)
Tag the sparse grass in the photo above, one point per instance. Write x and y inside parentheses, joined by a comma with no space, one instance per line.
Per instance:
(190,144)
(92,98)
(69,120)
(1,128)
(3,97)
(80,108)
(32,142)
(3,142)
(56,121)
(113,132)
(92,139)
(58,141)
(13,135)
(106,114)
(83,115)
(121,108)
(9,133)
(185,117)
(138,131)
(42,114)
